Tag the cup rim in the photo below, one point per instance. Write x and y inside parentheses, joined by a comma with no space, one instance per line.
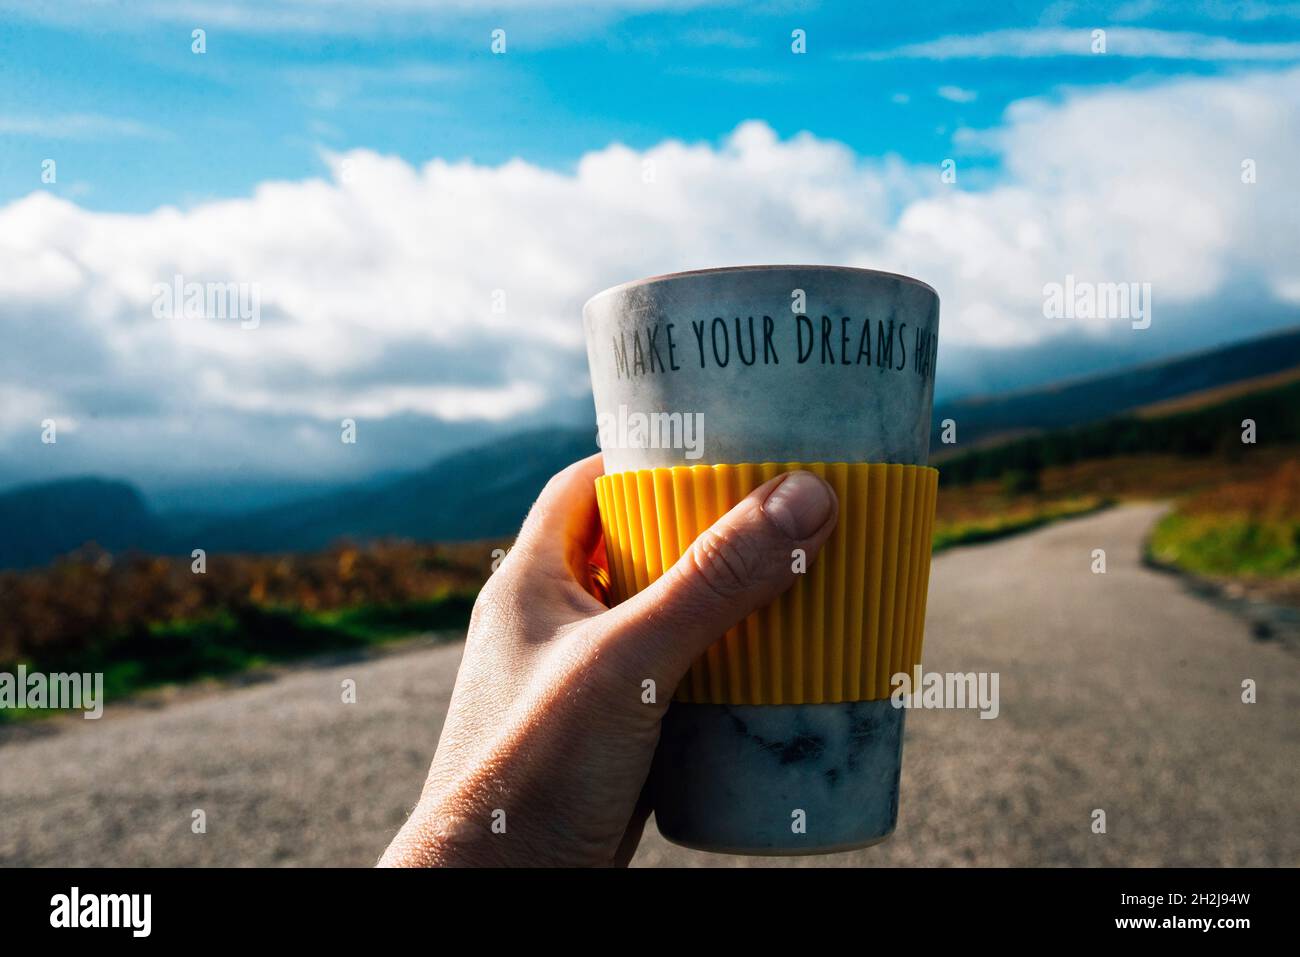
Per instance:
(621,287)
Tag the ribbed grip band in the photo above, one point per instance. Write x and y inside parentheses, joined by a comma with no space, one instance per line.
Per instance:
(851,621)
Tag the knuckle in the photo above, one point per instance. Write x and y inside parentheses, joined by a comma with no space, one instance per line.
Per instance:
(551,493)
(560,479)
(726,568)
(553,484)
(545,499)
(489,605)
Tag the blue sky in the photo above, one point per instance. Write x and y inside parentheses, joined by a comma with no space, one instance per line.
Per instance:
(139,120)
(379,178)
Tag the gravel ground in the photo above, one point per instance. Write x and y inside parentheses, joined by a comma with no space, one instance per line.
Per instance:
(1118,691)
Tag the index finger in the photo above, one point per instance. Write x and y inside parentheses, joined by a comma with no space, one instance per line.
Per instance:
(564,523)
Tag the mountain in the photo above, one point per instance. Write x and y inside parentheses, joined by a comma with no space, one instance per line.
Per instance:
(485,492)
(40,522)
(480,493)
(985,420)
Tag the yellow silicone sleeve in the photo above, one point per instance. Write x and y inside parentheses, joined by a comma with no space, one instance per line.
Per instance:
(853,619)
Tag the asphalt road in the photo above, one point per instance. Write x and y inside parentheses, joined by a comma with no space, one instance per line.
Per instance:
(1119,692)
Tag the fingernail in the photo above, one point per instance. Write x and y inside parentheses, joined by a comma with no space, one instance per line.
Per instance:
(800,505)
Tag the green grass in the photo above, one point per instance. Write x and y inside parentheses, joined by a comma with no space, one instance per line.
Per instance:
(1226,545)
(951,534)
(238,639)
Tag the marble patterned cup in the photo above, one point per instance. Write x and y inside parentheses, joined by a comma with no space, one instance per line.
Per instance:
(782,739)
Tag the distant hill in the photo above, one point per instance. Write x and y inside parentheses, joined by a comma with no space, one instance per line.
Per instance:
(1219,394)
(1206,430)
(985,420)
(480,493)
(485,492)
(40,522)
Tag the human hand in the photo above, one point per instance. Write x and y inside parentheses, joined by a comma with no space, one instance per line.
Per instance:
(547,734)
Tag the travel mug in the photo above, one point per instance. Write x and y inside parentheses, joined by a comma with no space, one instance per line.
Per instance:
(782,739)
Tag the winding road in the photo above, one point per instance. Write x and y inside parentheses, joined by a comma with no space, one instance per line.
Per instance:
(1119,691)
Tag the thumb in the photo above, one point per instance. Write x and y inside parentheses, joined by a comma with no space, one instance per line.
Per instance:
(740,564)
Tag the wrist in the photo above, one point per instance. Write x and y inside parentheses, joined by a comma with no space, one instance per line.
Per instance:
(443,834)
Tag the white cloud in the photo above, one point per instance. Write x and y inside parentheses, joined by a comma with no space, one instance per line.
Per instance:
(78,126)
(377,284)
(956,94)
(1133,185)
(374,88)
(1137,42)
(729,39)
